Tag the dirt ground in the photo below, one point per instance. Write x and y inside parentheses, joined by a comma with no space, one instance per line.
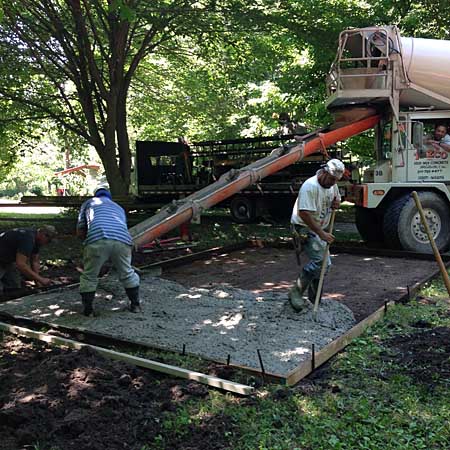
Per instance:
(69,400)
(423,354)
(361,283)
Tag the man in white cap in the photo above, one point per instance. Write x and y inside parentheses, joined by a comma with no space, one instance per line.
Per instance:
(311,214)
(102,224)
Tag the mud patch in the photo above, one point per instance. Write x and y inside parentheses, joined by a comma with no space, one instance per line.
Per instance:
(423,355)
(77,400)
(362,283)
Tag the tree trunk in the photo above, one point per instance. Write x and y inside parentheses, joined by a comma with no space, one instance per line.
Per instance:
(123,141)
(117,185)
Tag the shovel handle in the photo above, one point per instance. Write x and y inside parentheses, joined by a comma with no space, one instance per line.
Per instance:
(324,266)
(437,255)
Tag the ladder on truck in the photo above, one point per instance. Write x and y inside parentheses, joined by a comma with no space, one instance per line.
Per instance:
(230,183)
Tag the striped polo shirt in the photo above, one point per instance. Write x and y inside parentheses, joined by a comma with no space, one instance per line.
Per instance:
(103,219)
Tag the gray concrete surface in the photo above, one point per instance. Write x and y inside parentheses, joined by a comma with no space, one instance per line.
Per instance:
(212,323)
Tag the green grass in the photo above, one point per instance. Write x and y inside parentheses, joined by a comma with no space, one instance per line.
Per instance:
(24,213)
(214,231)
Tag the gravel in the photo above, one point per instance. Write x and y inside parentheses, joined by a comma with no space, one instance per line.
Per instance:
(211,323)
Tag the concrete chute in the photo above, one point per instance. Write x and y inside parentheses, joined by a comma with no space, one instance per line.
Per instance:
(234,181)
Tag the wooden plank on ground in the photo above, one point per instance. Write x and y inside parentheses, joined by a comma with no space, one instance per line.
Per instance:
(334,347)
(388,253)
(357,250)
(209,380)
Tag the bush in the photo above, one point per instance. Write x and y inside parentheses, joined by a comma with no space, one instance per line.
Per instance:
(36,190)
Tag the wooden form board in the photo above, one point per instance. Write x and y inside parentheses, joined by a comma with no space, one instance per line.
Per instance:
(336,247)
(209,380)
(334,347)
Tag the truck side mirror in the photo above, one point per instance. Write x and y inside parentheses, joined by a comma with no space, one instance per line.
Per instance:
(418,135)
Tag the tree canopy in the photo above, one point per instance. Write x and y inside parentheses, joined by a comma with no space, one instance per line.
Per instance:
(113,71)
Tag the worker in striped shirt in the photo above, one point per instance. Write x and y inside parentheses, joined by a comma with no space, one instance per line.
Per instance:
(103,226)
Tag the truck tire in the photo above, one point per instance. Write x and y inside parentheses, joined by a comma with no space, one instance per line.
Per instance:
(369,224)
(403,229)
(243,209)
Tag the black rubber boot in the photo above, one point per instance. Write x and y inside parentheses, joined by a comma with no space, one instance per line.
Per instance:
(296,294)
(133,295)
(312,291)
(87,298)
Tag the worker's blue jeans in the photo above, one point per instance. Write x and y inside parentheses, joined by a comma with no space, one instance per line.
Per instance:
(315,249)
(9,277)
(97,253)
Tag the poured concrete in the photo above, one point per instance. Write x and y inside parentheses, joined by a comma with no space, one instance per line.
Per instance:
(210,323)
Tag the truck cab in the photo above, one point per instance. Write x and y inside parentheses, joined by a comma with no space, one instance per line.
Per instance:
(378,71)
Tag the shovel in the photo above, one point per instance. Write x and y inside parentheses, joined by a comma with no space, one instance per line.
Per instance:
(324,268)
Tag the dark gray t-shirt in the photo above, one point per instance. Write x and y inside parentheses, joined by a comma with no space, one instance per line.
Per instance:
(18,240)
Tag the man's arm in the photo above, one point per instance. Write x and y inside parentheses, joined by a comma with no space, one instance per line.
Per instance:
(82,222)
(445,143)
(35,263)
(307,217)
(28,272)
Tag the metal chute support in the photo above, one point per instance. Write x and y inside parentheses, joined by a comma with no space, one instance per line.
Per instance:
(234,181)
(376,66)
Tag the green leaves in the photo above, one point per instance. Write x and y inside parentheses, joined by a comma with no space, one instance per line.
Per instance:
(123,11)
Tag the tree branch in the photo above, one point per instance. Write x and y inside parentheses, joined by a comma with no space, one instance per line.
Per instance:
(56,116)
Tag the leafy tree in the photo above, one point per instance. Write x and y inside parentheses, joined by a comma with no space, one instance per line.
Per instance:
(80,57)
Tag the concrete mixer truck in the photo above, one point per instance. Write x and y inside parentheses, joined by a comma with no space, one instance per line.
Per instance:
(399,88)
(407,82)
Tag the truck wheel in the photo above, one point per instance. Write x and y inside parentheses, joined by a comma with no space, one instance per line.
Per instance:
(403,228)
(369,224)
(243,209)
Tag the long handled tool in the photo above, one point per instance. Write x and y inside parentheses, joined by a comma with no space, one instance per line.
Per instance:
(324,268)
(437,255)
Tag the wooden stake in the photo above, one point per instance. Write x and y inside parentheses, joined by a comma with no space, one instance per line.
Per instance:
(137,361)
(324,267)
(437,255)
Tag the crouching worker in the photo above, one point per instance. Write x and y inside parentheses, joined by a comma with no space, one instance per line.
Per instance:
(103,226)
(19,255)
(311,215)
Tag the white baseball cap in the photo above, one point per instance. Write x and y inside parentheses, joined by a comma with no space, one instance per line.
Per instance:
(335,167)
